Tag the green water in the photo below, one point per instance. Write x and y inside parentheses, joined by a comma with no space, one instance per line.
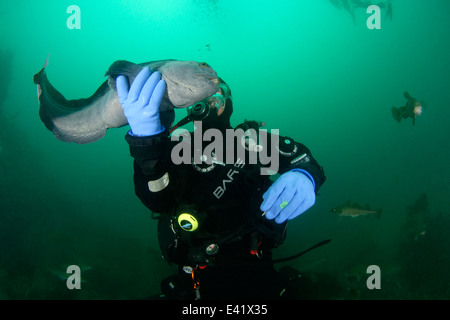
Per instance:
(304,67)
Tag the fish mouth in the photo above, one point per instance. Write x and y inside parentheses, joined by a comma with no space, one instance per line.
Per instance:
(201,75)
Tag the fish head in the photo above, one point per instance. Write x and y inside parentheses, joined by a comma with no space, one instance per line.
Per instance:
(189,82)
(417,109)
(339,210)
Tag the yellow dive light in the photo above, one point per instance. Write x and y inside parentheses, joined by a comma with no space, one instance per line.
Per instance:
(187,222)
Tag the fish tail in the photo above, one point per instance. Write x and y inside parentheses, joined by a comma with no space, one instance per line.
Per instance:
(396,114)
(378,214)
(37,77)
(46,60)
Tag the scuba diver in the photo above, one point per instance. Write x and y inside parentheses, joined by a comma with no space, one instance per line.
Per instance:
(412,109)
(218,222)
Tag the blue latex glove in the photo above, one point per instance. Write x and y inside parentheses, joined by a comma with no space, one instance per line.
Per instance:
(141,103)
(289,196)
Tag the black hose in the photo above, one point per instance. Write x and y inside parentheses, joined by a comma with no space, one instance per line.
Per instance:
(321,243)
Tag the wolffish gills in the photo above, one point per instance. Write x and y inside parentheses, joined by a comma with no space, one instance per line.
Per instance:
(87,120)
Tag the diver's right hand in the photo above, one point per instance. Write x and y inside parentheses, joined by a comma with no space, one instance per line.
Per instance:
(141,103)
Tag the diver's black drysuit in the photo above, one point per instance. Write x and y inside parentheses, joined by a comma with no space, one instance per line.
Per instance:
(229,255)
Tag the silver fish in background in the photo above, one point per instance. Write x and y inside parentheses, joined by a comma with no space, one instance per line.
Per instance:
(86,120)
(354,210)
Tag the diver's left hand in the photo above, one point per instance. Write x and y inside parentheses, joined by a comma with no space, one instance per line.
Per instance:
(289,196)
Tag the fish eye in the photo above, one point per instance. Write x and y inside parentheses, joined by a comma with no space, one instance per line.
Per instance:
(204,65)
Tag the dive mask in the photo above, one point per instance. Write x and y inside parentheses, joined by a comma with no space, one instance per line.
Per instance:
(216,103)
(201,110)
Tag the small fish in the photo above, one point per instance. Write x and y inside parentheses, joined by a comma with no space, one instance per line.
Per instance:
(355,210)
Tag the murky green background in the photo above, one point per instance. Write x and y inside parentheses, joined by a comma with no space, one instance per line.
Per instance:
(304,67)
